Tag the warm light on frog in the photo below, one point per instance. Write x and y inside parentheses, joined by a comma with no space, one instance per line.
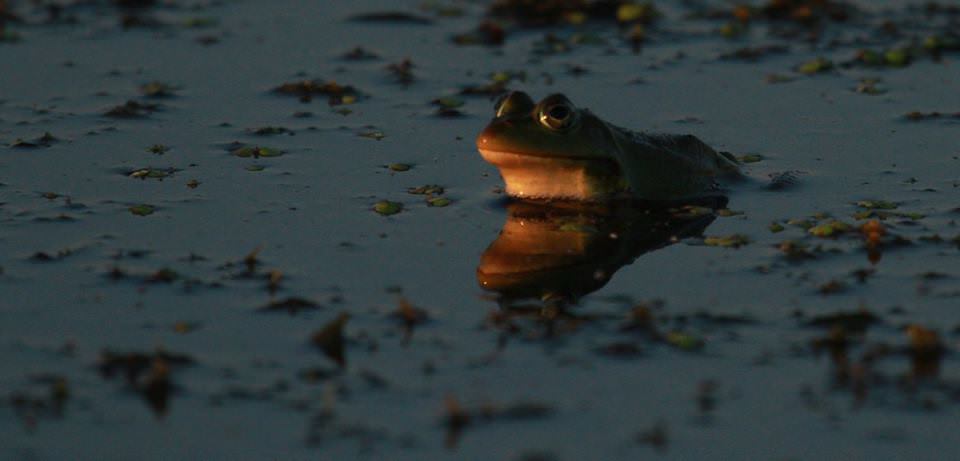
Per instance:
(552,150)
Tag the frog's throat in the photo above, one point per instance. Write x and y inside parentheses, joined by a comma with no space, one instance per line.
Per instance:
(542,177)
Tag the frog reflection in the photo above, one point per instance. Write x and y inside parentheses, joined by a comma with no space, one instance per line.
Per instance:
(560,252)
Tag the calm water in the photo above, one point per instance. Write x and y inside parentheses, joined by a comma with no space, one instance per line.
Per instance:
(535,377)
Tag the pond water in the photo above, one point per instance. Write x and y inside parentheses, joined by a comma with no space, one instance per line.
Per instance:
(173,288)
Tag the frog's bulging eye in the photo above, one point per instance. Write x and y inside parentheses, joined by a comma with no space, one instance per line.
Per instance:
(559,116)
(515,102)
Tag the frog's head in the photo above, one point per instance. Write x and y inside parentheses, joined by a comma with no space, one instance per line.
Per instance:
(554,127)
(550,149)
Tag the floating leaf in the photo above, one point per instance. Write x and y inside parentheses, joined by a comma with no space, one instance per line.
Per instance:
(256,152)
(142,210)
(897,57)
(633,12)
(152,173)
(729,241)
(387,208)
(373,134)
(750,158)
(399,167)
(815,66)
(829,229)
(448,102)
(306,89)
(270,130)
(158,90)
(132,109)
(200,22)
(158,149)
(877,205)
(330,339)
(684,341)
(438,201)
(429,189)
(869,86)
(778,78)
(870,57)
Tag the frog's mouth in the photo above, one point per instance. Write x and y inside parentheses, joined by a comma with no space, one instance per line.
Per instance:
(544,177)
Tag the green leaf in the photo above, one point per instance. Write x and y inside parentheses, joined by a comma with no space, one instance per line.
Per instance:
(877,204)
(387,208)
(815,66)
(727,241)
(142,210)
(257,152)
(438,202)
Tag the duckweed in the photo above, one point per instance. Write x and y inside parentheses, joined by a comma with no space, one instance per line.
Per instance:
(142,210)
(387,208)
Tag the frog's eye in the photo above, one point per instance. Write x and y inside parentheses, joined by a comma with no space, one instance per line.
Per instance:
(558,116)
(514,102)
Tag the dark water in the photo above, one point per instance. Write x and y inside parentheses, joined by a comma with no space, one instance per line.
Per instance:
(740,377)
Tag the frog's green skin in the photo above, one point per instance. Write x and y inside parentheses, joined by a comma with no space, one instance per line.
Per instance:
(552,150)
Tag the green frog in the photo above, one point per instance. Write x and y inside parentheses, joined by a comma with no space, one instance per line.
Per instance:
(553,150)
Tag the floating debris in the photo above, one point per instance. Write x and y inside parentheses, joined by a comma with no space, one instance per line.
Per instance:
(132,109)
(158,90)
(684,341)
(657,437)
(856,321)
(152,173)
(778,78)
(330,339)
(488,33)
(372,134)
(306,90)
(620,350)
(830,228)
(158,149)
(869,86)
(429,189)
(46,140)
(728,241)
(917,116)
(448,106)
(270,131)
(409,316)
(387,208)
(816,66)
(147,374)
(782,180)
(497,85)
(292,306)
(456,418)
(438,202)
(142,210)
(359,54)
(754,53)
(391,17)
(256,152)
(402,71)
(399,167)
(750,158)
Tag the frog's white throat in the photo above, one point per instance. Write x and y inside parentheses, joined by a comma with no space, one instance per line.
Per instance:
(541,177)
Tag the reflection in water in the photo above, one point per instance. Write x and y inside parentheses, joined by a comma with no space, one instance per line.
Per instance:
(561,252)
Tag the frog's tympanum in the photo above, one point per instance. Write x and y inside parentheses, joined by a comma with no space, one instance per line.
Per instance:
(553,150)
(567,250)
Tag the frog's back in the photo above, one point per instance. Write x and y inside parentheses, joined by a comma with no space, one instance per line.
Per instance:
(671,166)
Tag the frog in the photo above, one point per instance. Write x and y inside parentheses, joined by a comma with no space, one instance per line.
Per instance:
(553,150)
